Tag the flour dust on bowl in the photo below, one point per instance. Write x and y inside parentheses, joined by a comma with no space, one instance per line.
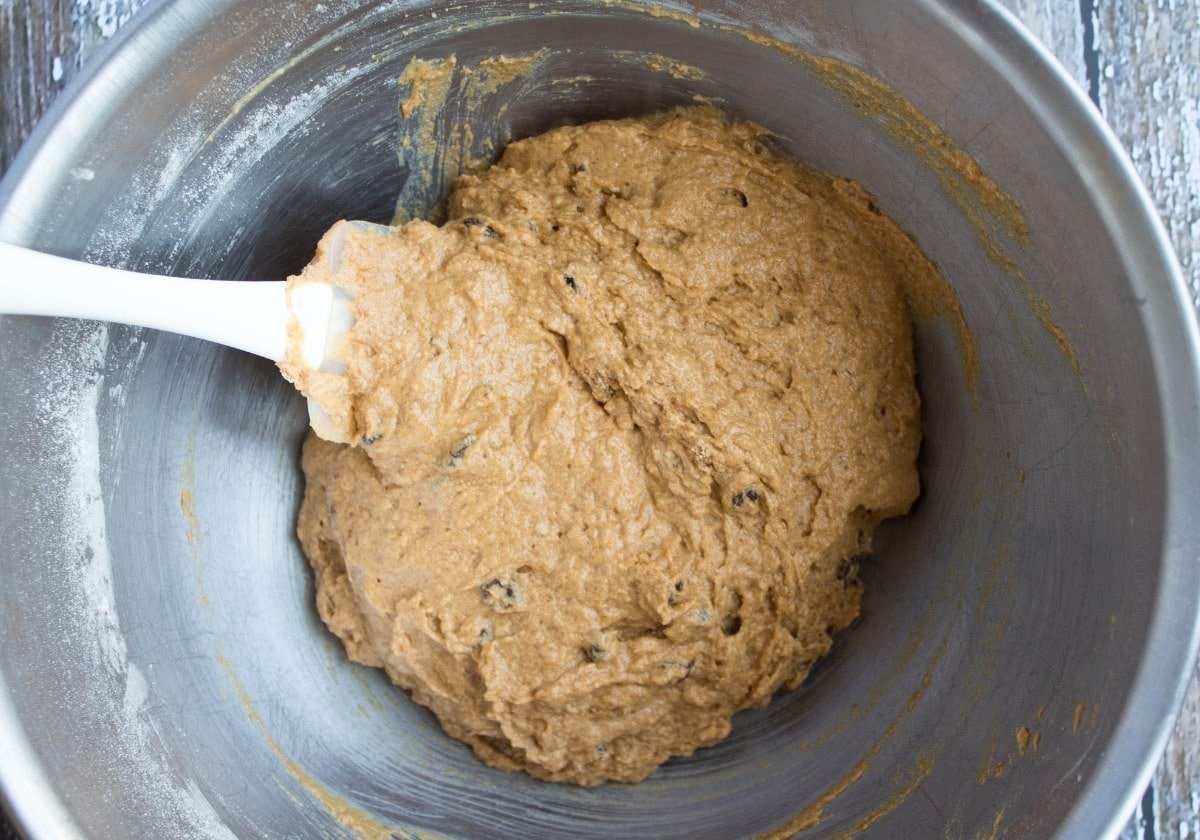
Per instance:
(1025,631)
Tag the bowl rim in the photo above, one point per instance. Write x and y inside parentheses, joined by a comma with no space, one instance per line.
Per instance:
(1112,791)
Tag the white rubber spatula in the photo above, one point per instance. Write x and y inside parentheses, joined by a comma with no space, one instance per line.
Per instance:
(251,316)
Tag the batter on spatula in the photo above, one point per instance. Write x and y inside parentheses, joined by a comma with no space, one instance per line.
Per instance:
(620,430)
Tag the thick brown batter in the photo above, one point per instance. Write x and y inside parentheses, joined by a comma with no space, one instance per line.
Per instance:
(623,426)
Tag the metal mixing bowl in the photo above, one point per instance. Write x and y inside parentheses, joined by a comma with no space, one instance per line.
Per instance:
(1026,632)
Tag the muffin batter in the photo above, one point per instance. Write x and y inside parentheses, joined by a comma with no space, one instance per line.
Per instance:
(621,429)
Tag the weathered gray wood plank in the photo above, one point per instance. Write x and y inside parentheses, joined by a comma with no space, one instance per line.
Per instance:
(43,43)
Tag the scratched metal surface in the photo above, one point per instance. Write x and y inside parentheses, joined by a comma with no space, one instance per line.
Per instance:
(1139,60)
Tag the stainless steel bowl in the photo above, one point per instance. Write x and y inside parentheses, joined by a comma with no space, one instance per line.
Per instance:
(1026,632)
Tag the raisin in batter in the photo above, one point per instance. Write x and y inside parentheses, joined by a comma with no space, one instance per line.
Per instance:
(620,429)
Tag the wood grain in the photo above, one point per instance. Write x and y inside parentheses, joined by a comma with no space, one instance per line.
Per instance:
(1138,59)
(43,43)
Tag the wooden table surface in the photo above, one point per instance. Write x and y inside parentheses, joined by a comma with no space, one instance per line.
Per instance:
(1138,60)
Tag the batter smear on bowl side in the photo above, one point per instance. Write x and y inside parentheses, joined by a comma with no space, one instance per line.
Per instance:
(619,432)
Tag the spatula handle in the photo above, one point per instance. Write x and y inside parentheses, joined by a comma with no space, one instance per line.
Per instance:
(251,316)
